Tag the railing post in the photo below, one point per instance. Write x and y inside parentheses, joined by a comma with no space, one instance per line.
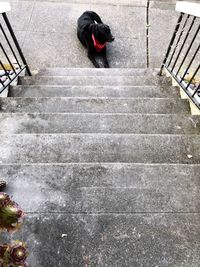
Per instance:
(16,43)
(191,85)
(171,43)
(193,76)
(184,42)
(196,91)
(187,52)
(8,42)
(182,31)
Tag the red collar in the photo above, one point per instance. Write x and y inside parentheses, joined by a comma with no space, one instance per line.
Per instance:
(97,45)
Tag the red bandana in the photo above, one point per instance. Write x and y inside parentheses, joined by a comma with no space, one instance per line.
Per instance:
(97,45)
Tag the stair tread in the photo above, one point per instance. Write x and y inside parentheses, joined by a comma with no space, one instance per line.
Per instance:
(94,105)
(90,80)
(120,238)
(97,72)
(109,179)
(99,123)
(64,148)
(93,91)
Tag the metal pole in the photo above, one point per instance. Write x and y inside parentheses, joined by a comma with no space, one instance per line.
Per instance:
(16,43)
(171,42)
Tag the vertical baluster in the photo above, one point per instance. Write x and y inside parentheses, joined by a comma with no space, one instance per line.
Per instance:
(190,64)
(171,42)
(16,43)
(193,76)
(172,56)
(9,44)
(184,42)
(1,82)
(7,57)
(6,73)
(188,50)
(196,91)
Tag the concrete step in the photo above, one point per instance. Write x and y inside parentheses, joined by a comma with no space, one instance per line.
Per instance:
(97,72)
(95,187)
(63,148)
(94,105)
(126,240)
(110,200)
(19,123)
(90,80)
(92,91)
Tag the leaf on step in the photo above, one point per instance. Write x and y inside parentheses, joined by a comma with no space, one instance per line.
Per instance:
(64,235)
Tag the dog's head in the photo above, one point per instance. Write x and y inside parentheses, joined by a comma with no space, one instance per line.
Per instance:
(102,33)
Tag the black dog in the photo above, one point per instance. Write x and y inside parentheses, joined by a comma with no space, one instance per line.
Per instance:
(94,35)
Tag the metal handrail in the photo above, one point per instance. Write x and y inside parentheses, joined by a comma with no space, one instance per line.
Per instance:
(183,51)
(21,63)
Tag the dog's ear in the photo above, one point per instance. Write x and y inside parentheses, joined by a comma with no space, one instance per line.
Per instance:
(94,29)
(106,27)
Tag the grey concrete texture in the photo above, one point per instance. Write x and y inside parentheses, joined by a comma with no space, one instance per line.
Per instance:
(110,200)
(97,72)
(67,148)
(54,33)
(99,2)
(180,177)
(113,175)
(17,123)
(94,105)
(162,25)
(140,205)
(113,240)
(112,2)
(93,91)
(89,80)
(104,188)
(20,37)
(83,179)
(163,4)
(50,37)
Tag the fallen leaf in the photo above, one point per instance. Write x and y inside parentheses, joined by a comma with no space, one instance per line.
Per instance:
(64,235)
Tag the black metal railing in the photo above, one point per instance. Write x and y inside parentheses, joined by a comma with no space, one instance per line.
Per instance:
(12,60)
(182,60)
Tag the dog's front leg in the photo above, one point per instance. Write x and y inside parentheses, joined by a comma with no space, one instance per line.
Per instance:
(92,58)
(105,60)
(91,54)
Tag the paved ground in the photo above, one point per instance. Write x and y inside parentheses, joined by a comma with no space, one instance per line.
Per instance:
(47,31)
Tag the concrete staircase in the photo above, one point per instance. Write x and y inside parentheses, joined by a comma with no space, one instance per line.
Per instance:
(106,165)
